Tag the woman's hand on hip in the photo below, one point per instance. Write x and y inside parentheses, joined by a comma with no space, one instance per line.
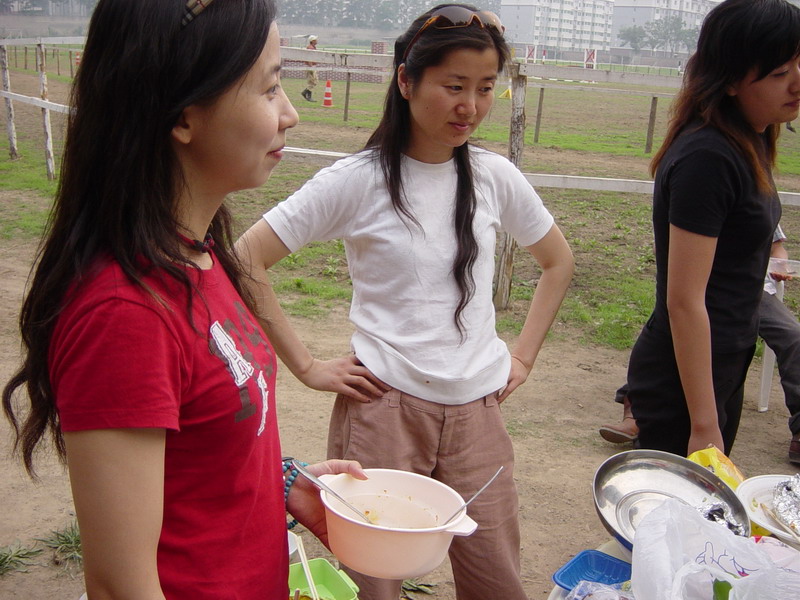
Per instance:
(345,375)
(516,377)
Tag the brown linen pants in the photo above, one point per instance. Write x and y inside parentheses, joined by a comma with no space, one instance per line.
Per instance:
(461,446)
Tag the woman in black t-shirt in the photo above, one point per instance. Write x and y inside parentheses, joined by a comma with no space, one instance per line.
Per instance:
(715,207)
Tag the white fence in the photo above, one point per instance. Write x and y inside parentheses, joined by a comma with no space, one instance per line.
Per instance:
(519,73)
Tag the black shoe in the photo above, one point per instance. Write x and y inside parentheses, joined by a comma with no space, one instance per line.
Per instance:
(306,94)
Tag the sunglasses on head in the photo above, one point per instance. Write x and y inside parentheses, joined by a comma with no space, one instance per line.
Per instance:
(453,17)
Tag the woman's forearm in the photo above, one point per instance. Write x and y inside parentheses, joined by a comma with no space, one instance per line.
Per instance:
(284,339)
(259,249)
(691,338)
(558,265)
(546,301)
(691,257)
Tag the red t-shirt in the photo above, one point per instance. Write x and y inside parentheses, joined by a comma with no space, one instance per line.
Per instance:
(120,359)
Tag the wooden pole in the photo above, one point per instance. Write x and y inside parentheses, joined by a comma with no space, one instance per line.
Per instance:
(347,97)
(71,70)
(26,58)
(10,127)
(538,116)
(504,270)
(41,61)
(651,126)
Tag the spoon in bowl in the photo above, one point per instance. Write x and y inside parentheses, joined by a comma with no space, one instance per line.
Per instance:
(317,482)
(475,495)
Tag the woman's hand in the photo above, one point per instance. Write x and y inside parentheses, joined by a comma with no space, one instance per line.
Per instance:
(304,503)
(345,375)
(702,439)
(516,377)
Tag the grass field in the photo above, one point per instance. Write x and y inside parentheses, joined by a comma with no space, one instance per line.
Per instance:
(584,132)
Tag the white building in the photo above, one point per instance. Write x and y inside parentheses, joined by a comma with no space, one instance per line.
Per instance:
(559,24)
(629,13)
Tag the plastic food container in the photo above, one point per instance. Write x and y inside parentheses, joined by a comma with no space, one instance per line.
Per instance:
(592,565)
(331,583)
(405,538)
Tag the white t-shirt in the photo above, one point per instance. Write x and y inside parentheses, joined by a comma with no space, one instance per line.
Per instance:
(769,282)
(404,293)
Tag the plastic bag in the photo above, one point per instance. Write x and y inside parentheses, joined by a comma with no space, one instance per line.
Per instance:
(719,464)
(715,461)
(678,555)
(592,590)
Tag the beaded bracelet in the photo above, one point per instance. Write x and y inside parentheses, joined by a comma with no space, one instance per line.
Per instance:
(289,475)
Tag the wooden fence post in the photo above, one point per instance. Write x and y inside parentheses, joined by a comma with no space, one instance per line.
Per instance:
(538,116)
(651,126)
(347,97)
(25,66)
(516,142)
(10,127)
(41,66)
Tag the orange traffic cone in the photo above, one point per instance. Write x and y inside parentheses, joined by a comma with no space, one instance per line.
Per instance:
(327,100)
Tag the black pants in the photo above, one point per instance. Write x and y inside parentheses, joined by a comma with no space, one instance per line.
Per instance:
(781,332)
(659,404)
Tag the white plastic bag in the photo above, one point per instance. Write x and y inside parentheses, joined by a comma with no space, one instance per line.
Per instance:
(598,591)
(679,555)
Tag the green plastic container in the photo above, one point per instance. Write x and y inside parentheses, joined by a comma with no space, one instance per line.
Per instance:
(331,584)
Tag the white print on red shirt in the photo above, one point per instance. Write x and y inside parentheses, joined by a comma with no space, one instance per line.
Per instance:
(237,365)
(241,370)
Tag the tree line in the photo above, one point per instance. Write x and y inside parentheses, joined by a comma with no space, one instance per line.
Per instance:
(364,14)
(662,34)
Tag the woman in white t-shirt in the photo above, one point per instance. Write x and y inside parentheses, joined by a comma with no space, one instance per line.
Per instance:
(419,210)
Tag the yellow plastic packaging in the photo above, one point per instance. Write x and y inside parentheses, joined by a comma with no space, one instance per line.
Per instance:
(722,466)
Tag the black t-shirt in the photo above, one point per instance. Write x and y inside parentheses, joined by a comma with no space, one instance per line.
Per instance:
(703,185)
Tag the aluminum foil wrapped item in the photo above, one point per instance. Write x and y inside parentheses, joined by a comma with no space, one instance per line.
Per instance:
(786,502)
(720,512)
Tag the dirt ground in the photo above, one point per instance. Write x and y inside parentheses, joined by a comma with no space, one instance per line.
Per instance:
(553,420)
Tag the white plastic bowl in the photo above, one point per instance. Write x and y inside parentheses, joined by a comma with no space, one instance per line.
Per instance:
(406,538)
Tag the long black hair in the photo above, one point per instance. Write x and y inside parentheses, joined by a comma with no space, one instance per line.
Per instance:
(737,36)
(120,178)
(392,136)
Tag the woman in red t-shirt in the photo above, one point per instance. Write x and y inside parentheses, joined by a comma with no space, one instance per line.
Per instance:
(142,358)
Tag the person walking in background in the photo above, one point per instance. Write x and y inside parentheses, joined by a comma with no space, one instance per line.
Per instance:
(715,208)
(142,361)
(418,210)
(779,329)
(311,73)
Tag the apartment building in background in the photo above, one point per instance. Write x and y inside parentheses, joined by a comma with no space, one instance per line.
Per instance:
(559,25)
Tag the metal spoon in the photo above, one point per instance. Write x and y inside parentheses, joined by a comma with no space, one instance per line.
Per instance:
(475,495)
(313,479)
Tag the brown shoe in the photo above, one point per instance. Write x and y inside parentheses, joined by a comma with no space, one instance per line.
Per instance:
(794,450)
(626,431)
